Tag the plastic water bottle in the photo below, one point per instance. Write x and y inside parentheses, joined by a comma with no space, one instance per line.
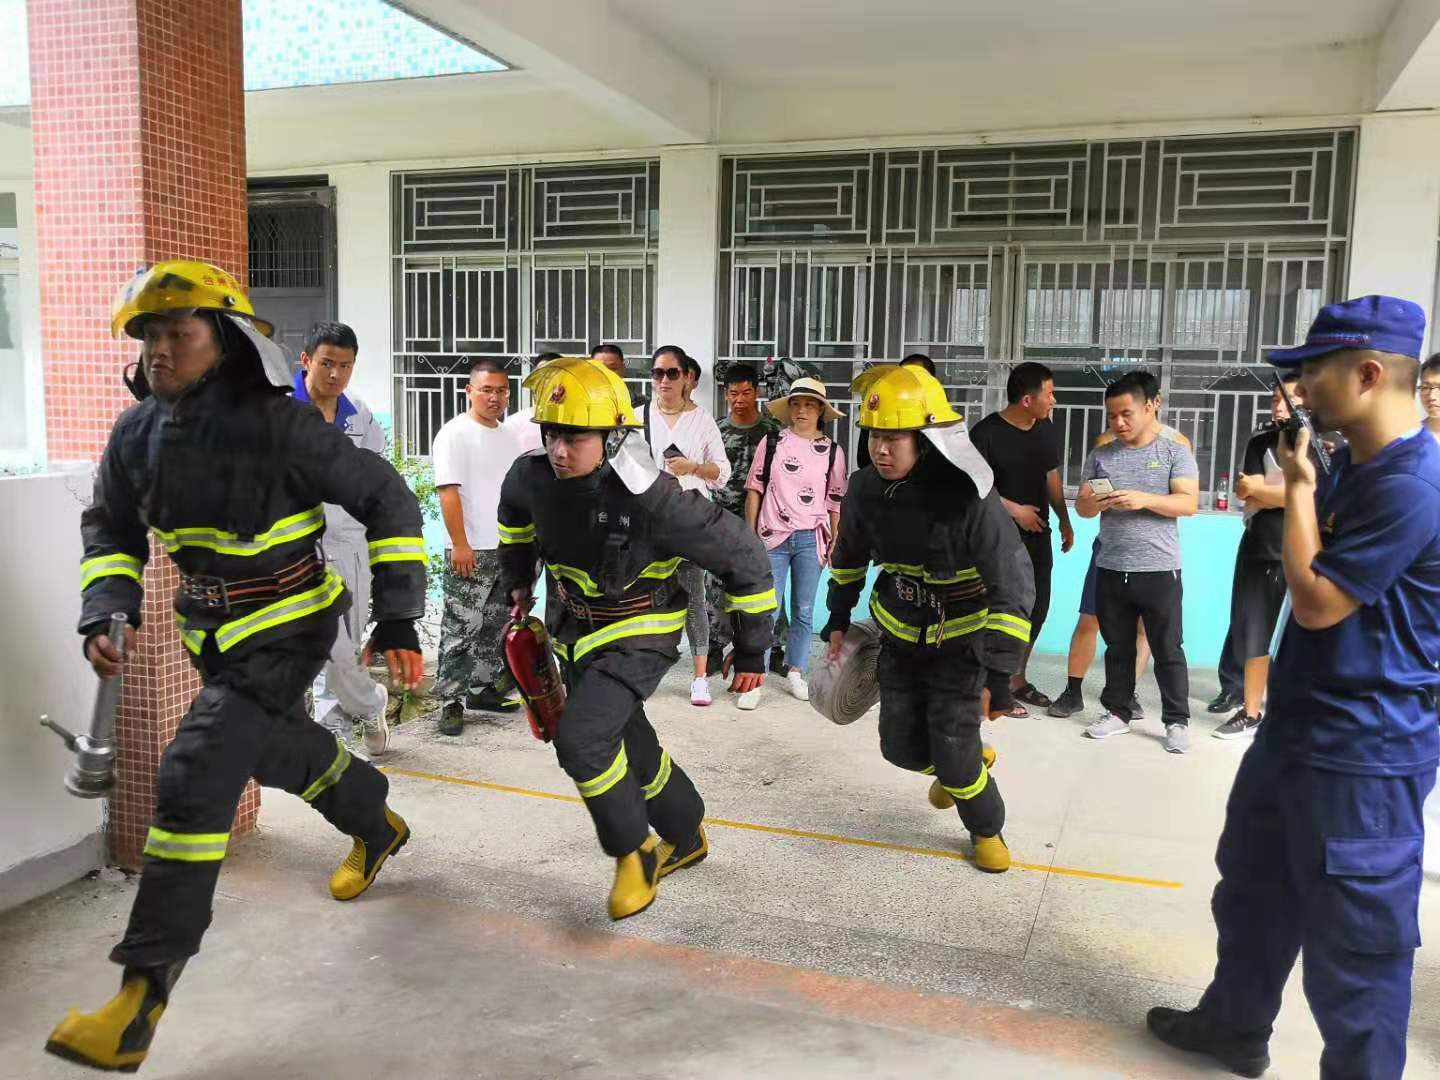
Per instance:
(1222,493)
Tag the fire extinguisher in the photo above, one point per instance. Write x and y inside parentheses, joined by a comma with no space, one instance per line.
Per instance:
(531,660)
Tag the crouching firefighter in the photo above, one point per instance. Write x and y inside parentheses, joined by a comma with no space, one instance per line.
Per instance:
(231,476)
(952,598)
(612,532)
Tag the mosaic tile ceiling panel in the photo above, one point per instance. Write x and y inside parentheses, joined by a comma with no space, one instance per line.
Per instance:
(303,43)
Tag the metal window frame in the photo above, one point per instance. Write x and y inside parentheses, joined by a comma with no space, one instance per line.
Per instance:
(559,256)
(1206,216)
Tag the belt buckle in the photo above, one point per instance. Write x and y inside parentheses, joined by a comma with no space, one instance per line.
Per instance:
(207,592)
(907,589)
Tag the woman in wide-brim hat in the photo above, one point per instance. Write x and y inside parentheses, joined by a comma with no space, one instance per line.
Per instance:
(792,499)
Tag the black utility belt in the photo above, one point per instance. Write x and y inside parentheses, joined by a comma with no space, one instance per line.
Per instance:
(603,611)
(208,596)
(934,597)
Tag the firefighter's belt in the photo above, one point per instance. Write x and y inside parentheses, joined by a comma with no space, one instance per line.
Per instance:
(206,595)
(604,614)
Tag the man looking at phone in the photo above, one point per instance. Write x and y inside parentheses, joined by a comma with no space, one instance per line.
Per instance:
(1321,850)
(1140,485)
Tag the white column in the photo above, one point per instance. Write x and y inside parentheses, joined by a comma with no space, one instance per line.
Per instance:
(1397,209)
(362,246)
(689,257)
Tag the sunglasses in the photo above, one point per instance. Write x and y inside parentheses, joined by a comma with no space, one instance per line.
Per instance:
(660,374)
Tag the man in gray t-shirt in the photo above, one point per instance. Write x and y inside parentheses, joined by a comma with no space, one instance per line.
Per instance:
(1145,483)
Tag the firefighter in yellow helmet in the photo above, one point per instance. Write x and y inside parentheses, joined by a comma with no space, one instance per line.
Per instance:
(230,476)
(612,531)
(952,599)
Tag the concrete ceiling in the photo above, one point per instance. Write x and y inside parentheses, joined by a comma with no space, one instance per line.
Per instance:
(774,40)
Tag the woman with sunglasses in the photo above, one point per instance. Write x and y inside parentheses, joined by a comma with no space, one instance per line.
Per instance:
(686,443)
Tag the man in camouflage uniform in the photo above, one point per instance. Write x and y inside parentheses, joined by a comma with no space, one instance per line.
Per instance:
(471,454)
(743,429)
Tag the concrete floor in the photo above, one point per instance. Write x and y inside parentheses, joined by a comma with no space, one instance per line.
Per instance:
(835,931)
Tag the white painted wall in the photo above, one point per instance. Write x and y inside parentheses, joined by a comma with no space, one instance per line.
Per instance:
(685,287)
(362,233)
(16,176)
(1397,209)
(48,833)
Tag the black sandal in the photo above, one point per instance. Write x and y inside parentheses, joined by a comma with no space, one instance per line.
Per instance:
(1031,696)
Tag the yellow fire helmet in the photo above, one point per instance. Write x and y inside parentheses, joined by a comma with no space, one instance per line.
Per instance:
(894,397)
(577,392)
(177,286)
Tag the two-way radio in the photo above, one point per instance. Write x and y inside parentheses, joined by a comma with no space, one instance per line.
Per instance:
(1300,418)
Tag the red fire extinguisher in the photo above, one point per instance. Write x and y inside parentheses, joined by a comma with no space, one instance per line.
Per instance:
(531,660)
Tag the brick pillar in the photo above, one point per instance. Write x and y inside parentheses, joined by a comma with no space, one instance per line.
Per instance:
(138,119)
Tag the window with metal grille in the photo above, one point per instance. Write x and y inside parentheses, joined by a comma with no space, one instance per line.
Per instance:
(512,262)
(288,245)
(1189,256)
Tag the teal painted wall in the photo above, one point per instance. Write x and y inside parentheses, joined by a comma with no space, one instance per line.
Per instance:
(1207,547)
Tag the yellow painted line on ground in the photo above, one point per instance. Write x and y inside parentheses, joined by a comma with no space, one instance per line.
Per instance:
(802,834)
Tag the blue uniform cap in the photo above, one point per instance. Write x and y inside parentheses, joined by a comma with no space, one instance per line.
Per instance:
(1379,323)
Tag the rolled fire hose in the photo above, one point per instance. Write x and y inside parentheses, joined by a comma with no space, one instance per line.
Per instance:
(845,689)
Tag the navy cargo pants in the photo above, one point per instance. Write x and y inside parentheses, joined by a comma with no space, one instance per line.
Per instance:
(1328,865)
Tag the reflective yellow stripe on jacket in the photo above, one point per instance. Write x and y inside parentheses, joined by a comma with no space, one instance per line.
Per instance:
(289,609)
(754,604)
(227,543)
(650,624)
(914,570)
(1013,625)
(393,549)
(509,534)
(92,570)
(952,628)
(848,577)
(657,571)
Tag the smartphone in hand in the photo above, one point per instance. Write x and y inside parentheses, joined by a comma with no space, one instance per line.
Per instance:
(1102,485)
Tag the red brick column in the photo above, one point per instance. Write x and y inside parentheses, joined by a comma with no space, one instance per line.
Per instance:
(138,119)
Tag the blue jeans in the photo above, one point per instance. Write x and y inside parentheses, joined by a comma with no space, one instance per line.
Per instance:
(795,560)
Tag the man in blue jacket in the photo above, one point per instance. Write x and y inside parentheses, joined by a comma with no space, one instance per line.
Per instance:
(1323,833)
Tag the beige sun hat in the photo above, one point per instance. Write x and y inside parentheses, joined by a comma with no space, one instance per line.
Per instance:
(806,387)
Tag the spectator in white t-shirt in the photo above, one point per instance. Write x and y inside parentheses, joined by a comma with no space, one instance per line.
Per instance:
(686,443)
(520,425)
(471,454)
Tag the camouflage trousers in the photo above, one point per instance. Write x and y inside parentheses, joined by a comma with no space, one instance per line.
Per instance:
(471,648)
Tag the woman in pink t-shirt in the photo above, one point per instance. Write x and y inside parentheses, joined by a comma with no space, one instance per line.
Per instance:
(796,513)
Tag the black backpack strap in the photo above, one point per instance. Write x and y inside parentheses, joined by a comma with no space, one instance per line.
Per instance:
(772,441)
(648,443)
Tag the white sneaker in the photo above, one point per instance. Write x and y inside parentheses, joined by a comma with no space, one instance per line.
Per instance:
(700,691)
(795,683)
(1107,725)
(749,700)
(377,728)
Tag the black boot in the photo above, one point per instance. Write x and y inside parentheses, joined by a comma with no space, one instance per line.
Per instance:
(116,1037)
(675,856)
(1194,1031)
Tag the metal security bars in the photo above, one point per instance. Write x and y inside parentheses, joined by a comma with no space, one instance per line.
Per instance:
(509,263)
(1189,256)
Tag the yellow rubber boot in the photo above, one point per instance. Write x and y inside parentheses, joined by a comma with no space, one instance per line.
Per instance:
(674,857)
(941,799)
(362,864)
(991,854)
(116,1037)
(637,876)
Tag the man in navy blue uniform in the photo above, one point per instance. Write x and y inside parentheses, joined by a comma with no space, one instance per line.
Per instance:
(1323,833)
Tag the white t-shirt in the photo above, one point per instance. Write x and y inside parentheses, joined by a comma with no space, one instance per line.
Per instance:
(475,457)
(526,431)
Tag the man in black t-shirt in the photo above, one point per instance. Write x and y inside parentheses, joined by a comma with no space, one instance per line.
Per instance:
(1022,448)
(1259,587)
